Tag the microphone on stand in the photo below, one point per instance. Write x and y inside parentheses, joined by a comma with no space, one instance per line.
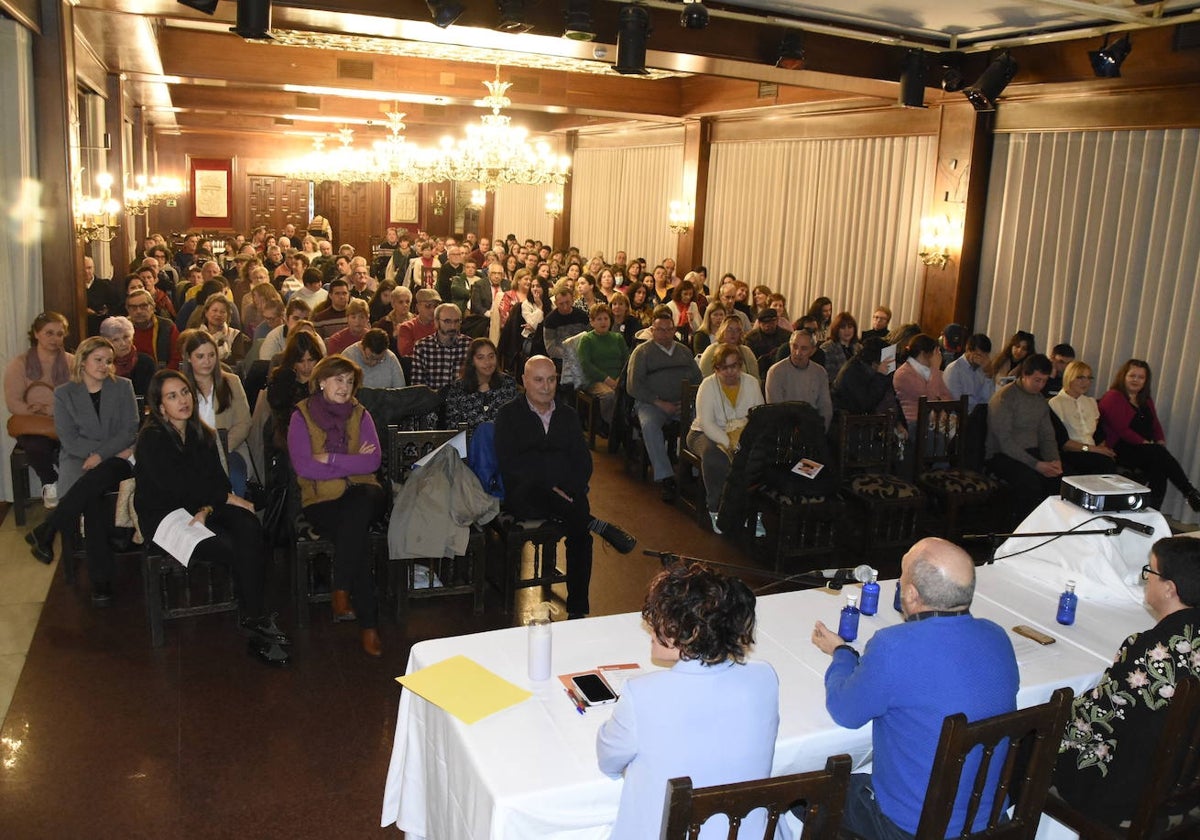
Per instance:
(1122,522)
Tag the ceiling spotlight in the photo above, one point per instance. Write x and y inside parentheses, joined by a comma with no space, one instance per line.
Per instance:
(791,51)
(986,90)
(253,20)
(578,14)
(1106,61)
(209,7)
(952,74)
(633,28)
(695,15)
(512,16)
(912,80)
(445,12)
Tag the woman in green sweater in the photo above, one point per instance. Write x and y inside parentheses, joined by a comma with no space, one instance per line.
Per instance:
(602,355)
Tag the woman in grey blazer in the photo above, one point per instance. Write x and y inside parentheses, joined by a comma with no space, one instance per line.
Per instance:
(95,415)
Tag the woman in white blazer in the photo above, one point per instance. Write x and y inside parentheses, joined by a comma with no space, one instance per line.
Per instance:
(96,418)
(713,716)
(723,405)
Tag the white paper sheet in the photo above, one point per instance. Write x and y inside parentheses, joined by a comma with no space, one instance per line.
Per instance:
(179,539)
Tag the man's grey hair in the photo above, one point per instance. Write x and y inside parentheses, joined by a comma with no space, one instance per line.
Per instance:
(937,591)
(800,334)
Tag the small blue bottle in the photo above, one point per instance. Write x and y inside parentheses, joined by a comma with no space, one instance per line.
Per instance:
(870,596)
(848,621)
(896,600)
(1067,603)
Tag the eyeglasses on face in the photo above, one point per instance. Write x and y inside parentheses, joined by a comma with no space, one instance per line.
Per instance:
(1147,571)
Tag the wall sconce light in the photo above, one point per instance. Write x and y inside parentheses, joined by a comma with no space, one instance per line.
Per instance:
(137,199)
(938,238)
(97,218)
(554,204)
(682,216)
(478,199)
(439,202)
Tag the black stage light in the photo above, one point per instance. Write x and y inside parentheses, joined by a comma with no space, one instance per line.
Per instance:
(578,14)
(952,75)
(445,12)
(987,88)
(912,80)
(1106,61)
(633,28)
(253,20)
(695,15)
(512,16)
(791,51)
(209,7)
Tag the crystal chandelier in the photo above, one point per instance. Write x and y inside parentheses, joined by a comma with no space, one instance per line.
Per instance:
(398,161)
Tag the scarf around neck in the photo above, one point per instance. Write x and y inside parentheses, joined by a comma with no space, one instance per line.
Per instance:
(331,418)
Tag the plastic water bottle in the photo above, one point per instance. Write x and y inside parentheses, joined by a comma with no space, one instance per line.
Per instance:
(540,641)
(870,596)
(1067,603)
(848,621)
(896,599)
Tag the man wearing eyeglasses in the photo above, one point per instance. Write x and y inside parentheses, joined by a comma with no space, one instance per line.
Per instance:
(438,358)
(1110,744)
(153,335)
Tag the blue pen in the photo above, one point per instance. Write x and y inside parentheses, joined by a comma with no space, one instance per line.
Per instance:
(575,701)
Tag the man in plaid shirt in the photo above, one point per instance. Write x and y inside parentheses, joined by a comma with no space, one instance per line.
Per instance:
(438,358)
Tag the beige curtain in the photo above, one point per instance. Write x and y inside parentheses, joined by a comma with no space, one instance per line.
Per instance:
(621,199)
(839,218)
(1093,238)
(521,210)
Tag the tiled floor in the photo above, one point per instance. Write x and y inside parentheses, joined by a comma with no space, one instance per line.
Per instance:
(23,585)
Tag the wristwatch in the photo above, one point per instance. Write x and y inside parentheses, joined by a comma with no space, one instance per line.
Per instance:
(1085,447)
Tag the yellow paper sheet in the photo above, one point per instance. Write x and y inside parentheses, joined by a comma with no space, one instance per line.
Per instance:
(464,688)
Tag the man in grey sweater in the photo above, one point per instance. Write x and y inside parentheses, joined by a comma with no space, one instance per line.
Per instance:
(1021,447)
(657,370)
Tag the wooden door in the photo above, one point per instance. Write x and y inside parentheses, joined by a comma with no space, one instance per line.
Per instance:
(275,202)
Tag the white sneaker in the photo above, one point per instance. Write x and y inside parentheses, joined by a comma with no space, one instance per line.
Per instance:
(50,496)
(713,514)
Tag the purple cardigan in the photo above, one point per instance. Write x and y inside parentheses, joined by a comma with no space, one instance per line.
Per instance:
(339,466)
(1116,413)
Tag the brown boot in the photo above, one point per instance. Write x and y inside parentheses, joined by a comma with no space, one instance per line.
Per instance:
(371,643)
(342,611)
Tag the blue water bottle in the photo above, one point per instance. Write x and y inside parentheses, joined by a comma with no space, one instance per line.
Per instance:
(896,600)
(1067,603)
(848,621)
(870,596)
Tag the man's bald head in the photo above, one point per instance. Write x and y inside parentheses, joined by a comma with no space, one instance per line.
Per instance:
(939,574)
(541,381)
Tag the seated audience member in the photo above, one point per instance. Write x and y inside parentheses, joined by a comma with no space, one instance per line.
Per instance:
(900,337)
(727,294)
(481,389)
(729,333)
(723,406)
(1003,368)
(100,295)
(714,316)
(153,335)
(563,321)
(163,305)
(401,303)
(137,367)
(683,302)
(358,321)
(623,324)
(289,382)
(967,375)
(409,332)
(940,661)
(1079,416)
(1061,356)
(880,318)
(864,385)
(602,355)
(96,418)
(798,379)
(177,466)
(220,402)
(1021,446)
(334,449)
(215,322)
(822,311)
(379,365)
(778,302)
(380,302)
(1109,748)
(438,358)
(312,291)
(764,340)
(701,622)
(951,343)
(843,343)
(639,304)
(808,322)
(1132,429)
(295,312)
(333,315)
(486,292)
(546,467)
(919,376)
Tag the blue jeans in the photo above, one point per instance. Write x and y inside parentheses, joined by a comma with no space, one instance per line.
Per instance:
(863,815)
(652,419)
(237,473)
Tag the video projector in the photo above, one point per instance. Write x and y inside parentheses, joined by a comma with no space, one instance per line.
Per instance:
(1104,493)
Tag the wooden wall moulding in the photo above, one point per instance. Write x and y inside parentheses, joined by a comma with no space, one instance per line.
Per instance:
(210,187)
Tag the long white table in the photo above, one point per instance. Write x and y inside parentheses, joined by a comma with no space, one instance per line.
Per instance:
(530,771)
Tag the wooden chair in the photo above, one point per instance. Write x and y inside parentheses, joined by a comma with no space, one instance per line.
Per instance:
(18,467)
(941,437)
(637,460)
(1169,806)
(507,538)
(588,407)
(1029,738)
(821,793)
(891,505)
(174,591)
(689,475)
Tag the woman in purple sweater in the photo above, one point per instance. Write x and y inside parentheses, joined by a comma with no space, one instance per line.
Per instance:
(335,453)
(1131,427)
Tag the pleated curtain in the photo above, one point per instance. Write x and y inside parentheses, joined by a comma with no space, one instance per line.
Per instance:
(521,210)
(1093,238)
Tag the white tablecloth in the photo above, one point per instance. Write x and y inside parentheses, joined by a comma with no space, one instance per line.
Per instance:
(530,770)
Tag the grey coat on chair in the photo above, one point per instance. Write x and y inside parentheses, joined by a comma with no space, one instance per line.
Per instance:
(82,433)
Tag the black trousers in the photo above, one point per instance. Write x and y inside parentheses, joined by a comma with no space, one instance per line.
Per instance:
(238,544)
(88,497)
(42,453)
(1029,487)
(346,522)
(1159,465)
(1086,463)
(576,516)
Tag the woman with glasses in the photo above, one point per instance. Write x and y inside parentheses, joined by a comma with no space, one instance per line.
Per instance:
(1079,416)
(723,406)
(729,334)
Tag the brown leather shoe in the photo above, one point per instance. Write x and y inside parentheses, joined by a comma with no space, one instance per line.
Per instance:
(342,611)
(371,643)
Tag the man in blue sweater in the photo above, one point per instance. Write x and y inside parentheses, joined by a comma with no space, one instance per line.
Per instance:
(940,661)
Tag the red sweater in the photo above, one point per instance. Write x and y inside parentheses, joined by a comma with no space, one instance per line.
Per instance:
(1116,413)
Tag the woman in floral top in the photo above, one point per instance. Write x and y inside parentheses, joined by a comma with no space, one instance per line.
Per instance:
(1109,746)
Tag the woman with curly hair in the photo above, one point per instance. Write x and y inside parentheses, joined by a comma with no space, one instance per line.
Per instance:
(702,626)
